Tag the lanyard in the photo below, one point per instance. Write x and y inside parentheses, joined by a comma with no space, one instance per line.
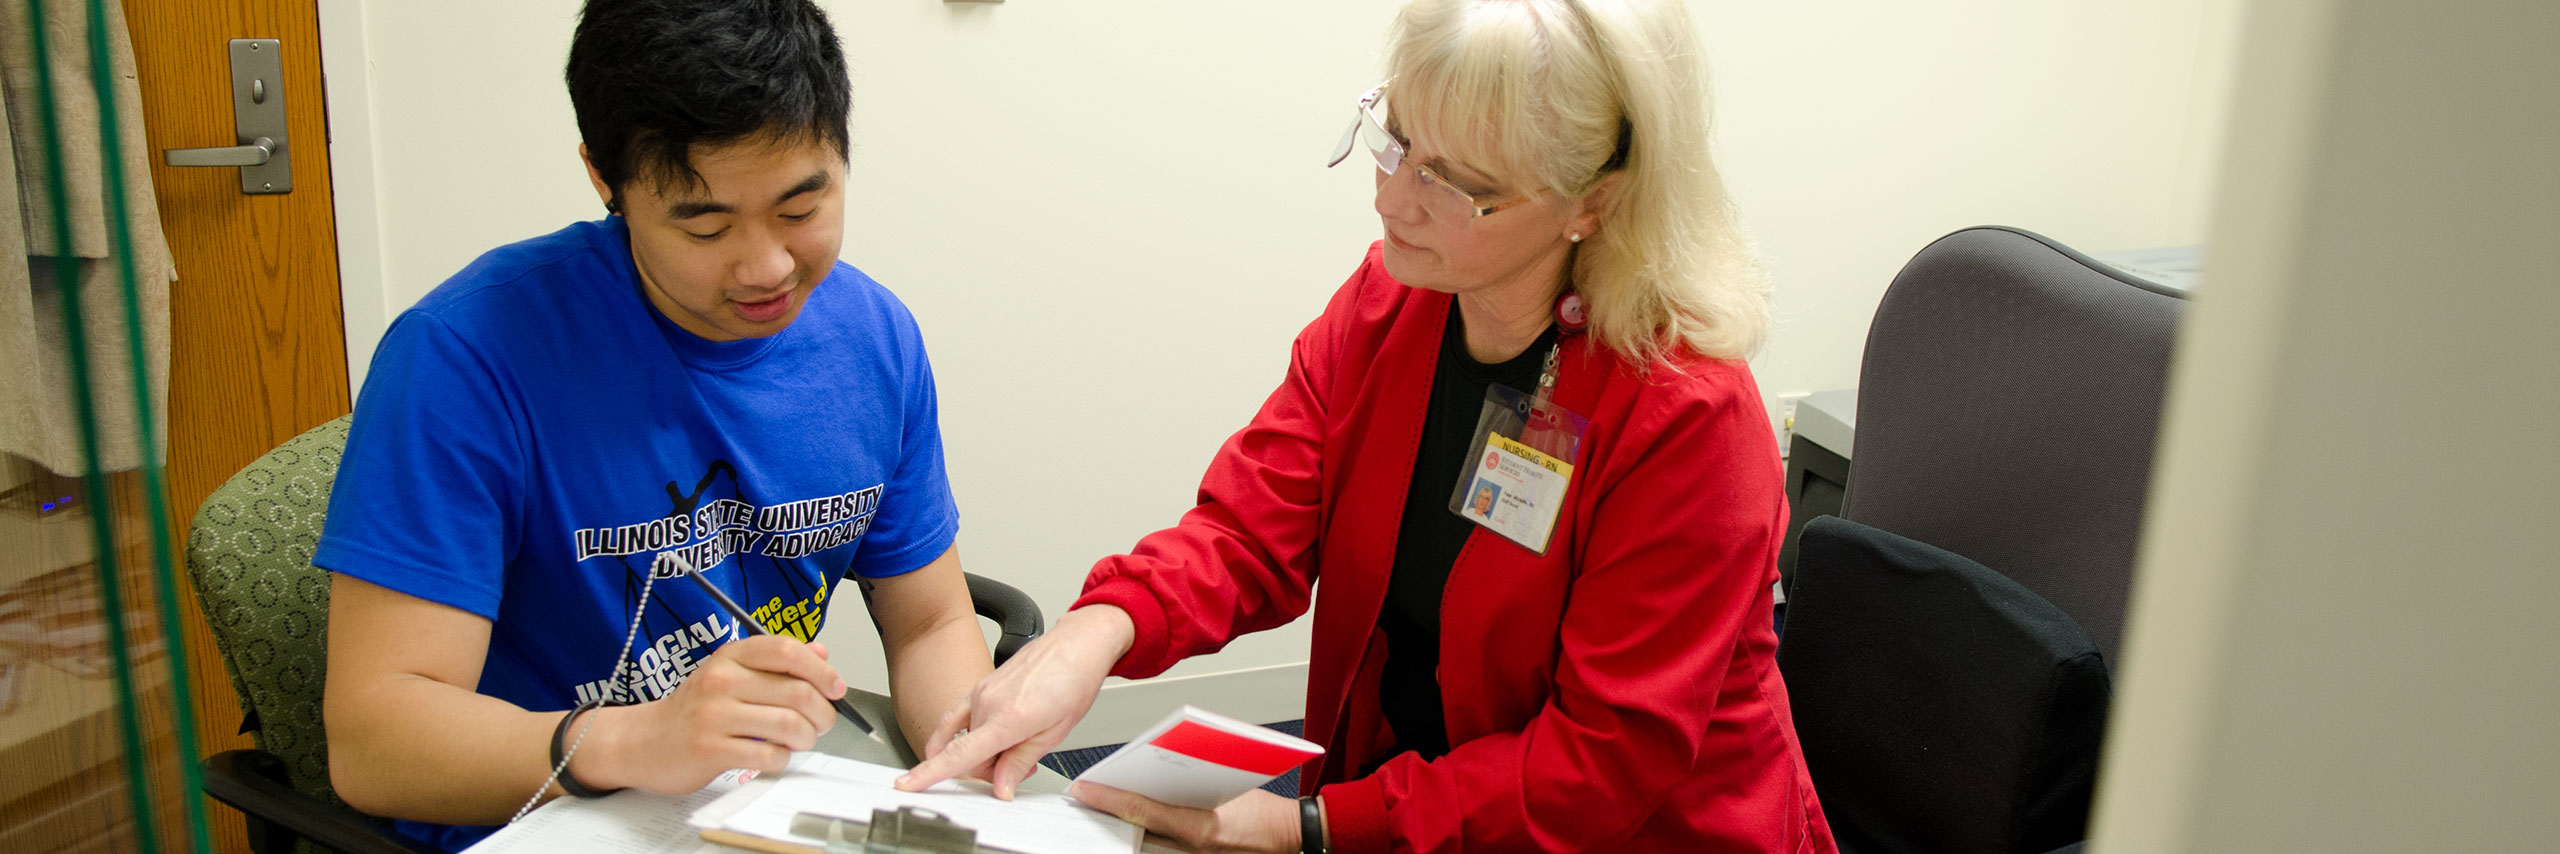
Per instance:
(1526,443)
(1569,315)
(1547,375)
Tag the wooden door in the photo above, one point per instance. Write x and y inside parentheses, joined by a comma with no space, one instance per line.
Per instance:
(257,354)
(257,342)
(257,336)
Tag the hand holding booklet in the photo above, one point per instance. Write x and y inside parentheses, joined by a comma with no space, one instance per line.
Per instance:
(1197,758)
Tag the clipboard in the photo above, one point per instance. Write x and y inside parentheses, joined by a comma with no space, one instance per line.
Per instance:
(906,830)
(846,805)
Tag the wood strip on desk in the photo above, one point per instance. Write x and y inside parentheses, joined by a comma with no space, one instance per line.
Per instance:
(735,839)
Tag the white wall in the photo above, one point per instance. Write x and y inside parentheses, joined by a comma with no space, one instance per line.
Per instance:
(1110,217)
(1854,133)
(2341,633)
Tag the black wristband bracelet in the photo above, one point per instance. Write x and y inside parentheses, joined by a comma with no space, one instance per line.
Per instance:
(559,749)
(1310,826)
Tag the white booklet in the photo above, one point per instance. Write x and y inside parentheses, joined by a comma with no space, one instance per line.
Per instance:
(758,816)
(1197,758)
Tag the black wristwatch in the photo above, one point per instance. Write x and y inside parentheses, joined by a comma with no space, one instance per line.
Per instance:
(559,748)
(1311,827)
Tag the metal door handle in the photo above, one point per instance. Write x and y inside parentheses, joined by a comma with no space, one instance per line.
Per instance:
(265,153)
(255,153)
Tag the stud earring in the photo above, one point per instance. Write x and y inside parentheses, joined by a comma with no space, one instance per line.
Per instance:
(1575,237)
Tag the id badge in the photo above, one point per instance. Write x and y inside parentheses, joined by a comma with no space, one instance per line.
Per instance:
(1519,466)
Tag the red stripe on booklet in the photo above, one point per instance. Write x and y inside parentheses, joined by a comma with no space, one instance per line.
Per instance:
(1210,744)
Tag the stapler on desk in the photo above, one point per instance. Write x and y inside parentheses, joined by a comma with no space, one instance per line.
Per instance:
(906,830)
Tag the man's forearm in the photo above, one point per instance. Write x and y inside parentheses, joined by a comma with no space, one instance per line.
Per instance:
(423,750)
(930,673)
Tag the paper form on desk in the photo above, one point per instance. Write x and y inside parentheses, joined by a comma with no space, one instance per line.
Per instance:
(630,821)
(830,785)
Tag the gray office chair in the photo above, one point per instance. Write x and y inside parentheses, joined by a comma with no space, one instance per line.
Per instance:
(2007,411)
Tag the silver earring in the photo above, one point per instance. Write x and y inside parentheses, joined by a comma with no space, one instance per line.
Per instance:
(1575,237)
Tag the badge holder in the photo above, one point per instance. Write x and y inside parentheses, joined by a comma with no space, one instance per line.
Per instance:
(1521,461)
(905,830)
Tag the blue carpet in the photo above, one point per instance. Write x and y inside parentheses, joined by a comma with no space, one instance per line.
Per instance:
(1073,762)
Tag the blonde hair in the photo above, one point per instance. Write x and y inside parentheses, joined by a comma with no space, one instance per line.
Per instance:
(1537,92)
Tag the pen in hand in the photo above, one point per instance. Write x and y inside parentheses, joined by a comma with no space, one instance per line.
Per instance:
(843,704)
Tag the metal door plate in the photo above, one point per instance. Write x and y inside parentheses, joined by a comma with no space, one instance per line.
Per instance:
(257,107)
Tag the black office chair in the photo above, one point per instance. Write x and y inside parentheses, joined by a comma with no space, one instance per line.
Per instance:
(249,554)
(1941,706)
(2008,407)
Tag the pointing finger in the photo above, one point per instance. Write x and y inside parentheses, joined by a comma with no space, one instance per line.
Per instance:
(959,753)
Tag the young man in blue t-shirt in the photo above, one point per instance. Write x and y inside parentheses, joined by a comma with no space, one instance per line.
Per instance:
(695,379)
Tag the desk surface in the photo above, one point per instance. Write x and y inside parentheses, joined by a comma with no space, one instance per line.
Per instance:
(848,741)
(845,740)
(649,823)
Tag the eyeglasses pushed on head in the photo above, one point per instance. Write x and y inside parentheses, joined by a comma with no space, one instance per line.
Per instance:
(1443,200)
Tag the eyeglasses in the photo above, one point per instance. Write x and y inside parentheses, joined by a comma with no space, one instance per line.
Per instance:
(1442,199)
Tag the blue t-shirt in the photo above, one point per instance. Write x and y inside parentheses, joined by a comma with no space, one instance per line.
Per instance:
(534,435)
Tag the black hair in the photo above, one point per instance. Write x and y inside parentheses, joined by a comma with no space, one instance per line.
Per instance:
(651,79)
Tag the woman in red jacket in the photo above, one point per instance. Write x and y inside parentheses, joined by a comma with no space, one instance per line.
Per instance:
(1522,451)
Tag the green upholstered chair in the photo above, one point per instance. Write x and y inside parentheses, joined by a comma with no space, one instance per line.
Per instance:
(249,554)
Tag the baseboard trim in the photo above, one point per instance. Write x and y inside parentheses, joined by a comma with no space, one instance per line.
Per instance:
(1260,694)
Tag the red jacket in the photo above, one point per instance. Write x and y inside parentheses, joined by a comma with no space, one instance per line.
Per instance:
(1620,693)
